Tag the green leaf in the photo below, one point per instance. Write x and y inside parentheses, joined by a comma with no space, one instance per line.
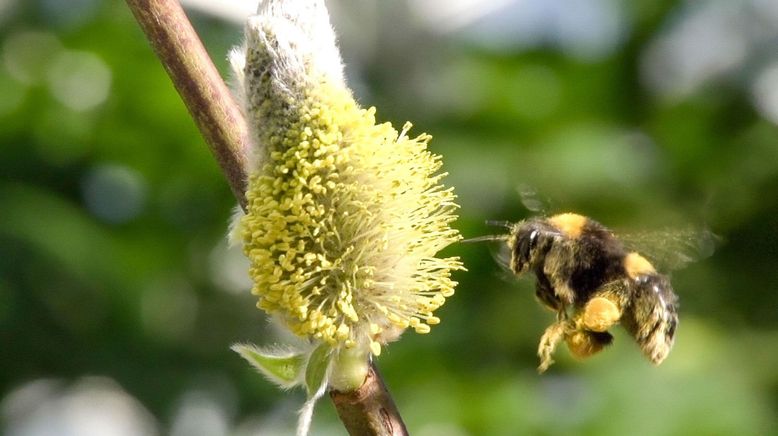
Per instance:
(282,367)
(316,370)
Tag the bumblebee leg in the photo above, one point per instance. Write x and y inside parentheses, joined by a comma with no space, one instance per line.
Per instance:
(605,306)
(583,344)
(599,314)
(565,294)
(558,268)
(545,294)
(548,343)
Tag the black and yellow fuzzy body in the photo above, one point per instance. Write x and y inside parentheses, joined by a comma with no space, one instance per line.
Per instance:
(570,255)
(585,274)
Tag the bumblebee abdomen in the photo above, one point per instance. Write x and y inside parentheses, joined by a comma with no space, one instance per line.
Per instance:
(652,317)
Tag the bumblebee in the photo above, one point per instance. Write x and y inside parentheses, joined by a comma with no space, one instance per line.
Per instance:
(586,275)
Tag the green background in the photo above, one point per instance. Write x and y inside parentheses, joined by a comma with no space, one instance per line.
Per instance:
(119,298)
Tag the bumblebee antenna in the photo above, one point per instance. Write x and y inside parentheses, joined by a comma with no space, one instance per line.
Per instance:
(495,223)
(485,238)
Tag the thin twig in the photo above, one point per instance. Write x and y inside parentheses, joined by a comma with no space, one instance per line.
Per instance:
(368,410)
(198,82)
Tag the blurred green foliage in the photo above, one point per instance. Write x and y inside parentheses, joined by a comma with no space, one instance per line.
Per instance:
(113,213)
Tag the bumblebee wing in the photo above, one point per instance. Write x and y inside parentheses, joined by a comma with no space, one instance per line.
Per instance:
(672,248)
(532,201)
(501,253)
(651,317)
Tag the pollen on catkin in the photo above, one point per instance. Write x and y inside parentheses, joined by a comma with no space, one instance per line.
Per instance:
(345,215)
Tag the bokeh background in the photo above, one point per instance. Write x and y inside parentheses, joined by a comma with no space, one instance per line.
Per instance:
(119,297)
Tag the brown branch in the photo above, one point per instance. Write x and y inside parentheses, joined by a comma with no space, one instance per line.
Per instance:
(370,409)
(198,82)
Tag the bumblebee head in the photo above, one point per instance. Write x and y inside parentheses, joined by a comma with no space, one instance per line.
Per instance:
(529,242)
